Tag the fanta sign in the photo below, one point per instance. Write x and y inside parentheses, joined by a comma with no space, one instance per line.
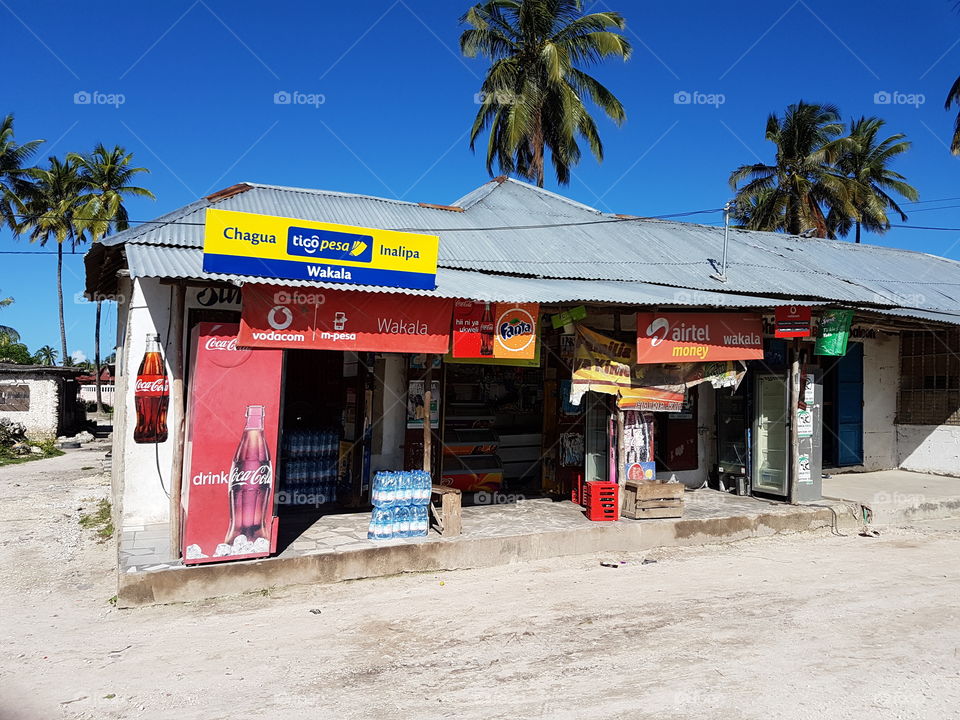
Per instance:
(698,337)
(516,330)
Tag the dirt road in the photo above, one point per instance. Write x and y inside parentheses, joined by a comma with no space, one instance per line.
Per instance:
(805,626)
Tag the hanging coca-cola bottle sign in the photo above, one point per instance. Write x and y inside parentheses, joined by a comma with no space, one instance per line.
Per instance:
(151,395)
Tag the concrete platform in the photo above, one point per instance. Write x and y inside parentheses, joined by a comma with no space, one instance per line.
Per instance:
(897,496)
(335,547)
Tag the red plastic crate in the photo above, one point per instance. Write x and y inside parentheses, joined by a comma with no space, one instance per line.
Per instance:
(601,501)
(576,493)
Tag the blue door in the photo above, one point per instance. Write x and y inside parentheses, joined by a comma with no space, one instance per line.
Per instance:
(849,406)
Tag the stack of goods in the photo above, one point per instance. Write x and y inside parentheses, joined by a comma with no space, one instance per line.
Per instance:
(311,467)
(400,502)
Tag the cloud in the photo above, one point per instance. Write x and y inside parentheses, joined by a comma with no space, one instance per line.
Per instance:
(78,356)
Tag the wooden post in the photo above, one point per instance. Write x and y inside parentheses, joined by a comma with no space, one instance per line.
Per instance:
(427,400)
(793,404)
(178,412)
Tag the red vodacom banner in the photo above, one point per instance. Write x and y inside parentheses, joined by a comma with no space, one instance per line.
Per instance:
(280,317)
(698,337)
(231,448)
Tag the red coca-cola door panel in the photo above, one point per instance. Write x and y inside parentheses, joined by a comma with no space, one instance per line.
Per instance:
(232,427)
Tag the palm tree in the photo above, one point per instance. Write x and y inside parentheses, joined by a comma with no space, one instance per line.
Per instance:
(107,175)
(6,330)
(45,356)
(12,159)
(532,98)
(865,163)
(53,208)
(795,192)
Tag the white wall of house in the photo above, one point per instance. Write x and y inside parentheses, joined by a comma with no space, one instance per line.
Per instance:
(144,469)
(390,413)
(929,448)
(40,420)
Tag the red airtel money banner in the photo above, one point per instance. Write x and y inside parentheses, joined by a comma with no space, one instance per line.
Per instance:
(284,317)
(231,448)
(698,337)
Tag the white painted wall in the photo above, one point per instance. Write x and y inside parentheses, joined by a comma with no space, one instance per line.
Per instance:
(394,415)
(929,448)
(144,487)
(40,420)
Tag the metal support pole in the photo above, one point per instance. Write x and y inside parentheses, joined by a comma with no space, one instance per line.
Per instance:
(794,404)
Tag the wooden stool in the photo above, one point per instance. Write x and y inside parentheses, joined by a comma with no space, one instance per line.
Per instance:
(448,518)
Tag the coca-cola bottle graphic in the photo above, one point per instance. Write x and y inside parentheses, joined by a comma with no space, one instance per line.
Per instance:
(486,331)
(250,482)
(151,395)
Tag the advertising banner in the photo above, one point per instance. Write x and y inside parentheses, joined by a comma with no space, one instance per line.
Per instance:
(495,331)
(791,321)
(698,337)
(834,333)
(277,317)
(515,334)
(231,445)
(606,365)
(279,247)
(416,410)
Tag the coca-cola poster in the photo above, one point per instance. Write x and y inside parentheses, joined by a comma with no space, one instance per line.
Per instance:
(231,445)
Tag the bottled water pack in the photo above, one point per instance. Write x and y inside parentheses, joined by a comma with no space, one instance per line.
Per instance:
(400,502)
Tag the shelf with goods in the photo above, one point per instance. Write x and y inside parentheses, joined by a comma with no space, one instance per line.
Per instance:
(310,467)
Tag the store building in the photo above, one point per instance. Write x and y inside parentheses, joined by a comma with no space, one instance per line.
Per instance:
(339,395)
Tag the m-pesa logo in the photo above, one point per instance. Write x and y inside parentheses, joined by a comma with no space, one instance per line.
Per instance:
(329,245)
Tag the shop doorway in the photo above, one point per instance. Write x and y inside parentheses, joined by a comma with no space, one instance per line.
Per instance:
(319,459)
(675,437)
(492,428)
(843,408)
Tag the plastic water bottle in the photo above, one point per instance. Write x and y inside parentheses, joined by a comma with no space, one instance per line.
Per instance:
(420,525)
(401,521)
(381,524)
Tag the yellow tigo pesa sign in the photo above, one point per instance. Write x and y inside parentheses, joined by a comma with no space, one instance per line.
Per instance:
(277,247)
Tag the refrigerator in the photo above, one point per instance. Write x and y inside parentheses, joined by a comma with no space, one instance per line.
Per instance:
(230,451)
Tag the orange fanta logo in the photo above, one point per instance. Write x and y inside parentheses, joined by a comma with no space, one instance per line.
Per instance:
(516,330)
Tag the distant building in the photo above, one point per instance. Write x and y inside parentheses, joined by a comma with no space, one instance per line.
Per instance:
(88,386)
(45,400)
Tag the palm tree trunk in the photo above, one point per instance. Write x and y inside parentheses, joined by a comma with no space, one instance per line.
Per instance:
(538,148)
(96,358)
(63,327)
(858,231)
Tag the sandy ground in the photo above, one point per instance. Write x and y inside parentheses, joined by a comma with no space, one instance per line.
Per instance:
(805,626)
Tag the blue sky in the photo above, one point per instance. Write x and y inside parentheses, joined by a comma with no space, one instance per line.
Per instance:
(387,101)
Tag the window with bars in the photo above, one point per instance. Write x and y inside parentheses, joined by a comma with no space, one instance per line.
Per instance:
(929,378)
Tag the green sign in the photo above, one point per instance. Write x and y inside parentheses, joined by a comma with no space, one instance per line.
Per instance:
(834,332)
(568,317)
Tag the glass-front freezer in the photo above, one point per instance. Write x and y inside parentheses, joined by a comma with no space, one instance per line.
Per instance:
(771,436)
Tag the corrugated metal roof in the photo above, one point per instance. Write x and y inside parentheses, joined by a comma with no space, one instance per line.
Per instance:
(596,247)
(174,262)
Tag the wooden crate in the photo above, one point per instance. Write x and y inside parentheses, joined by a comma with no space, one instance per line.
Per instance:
(652,500)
